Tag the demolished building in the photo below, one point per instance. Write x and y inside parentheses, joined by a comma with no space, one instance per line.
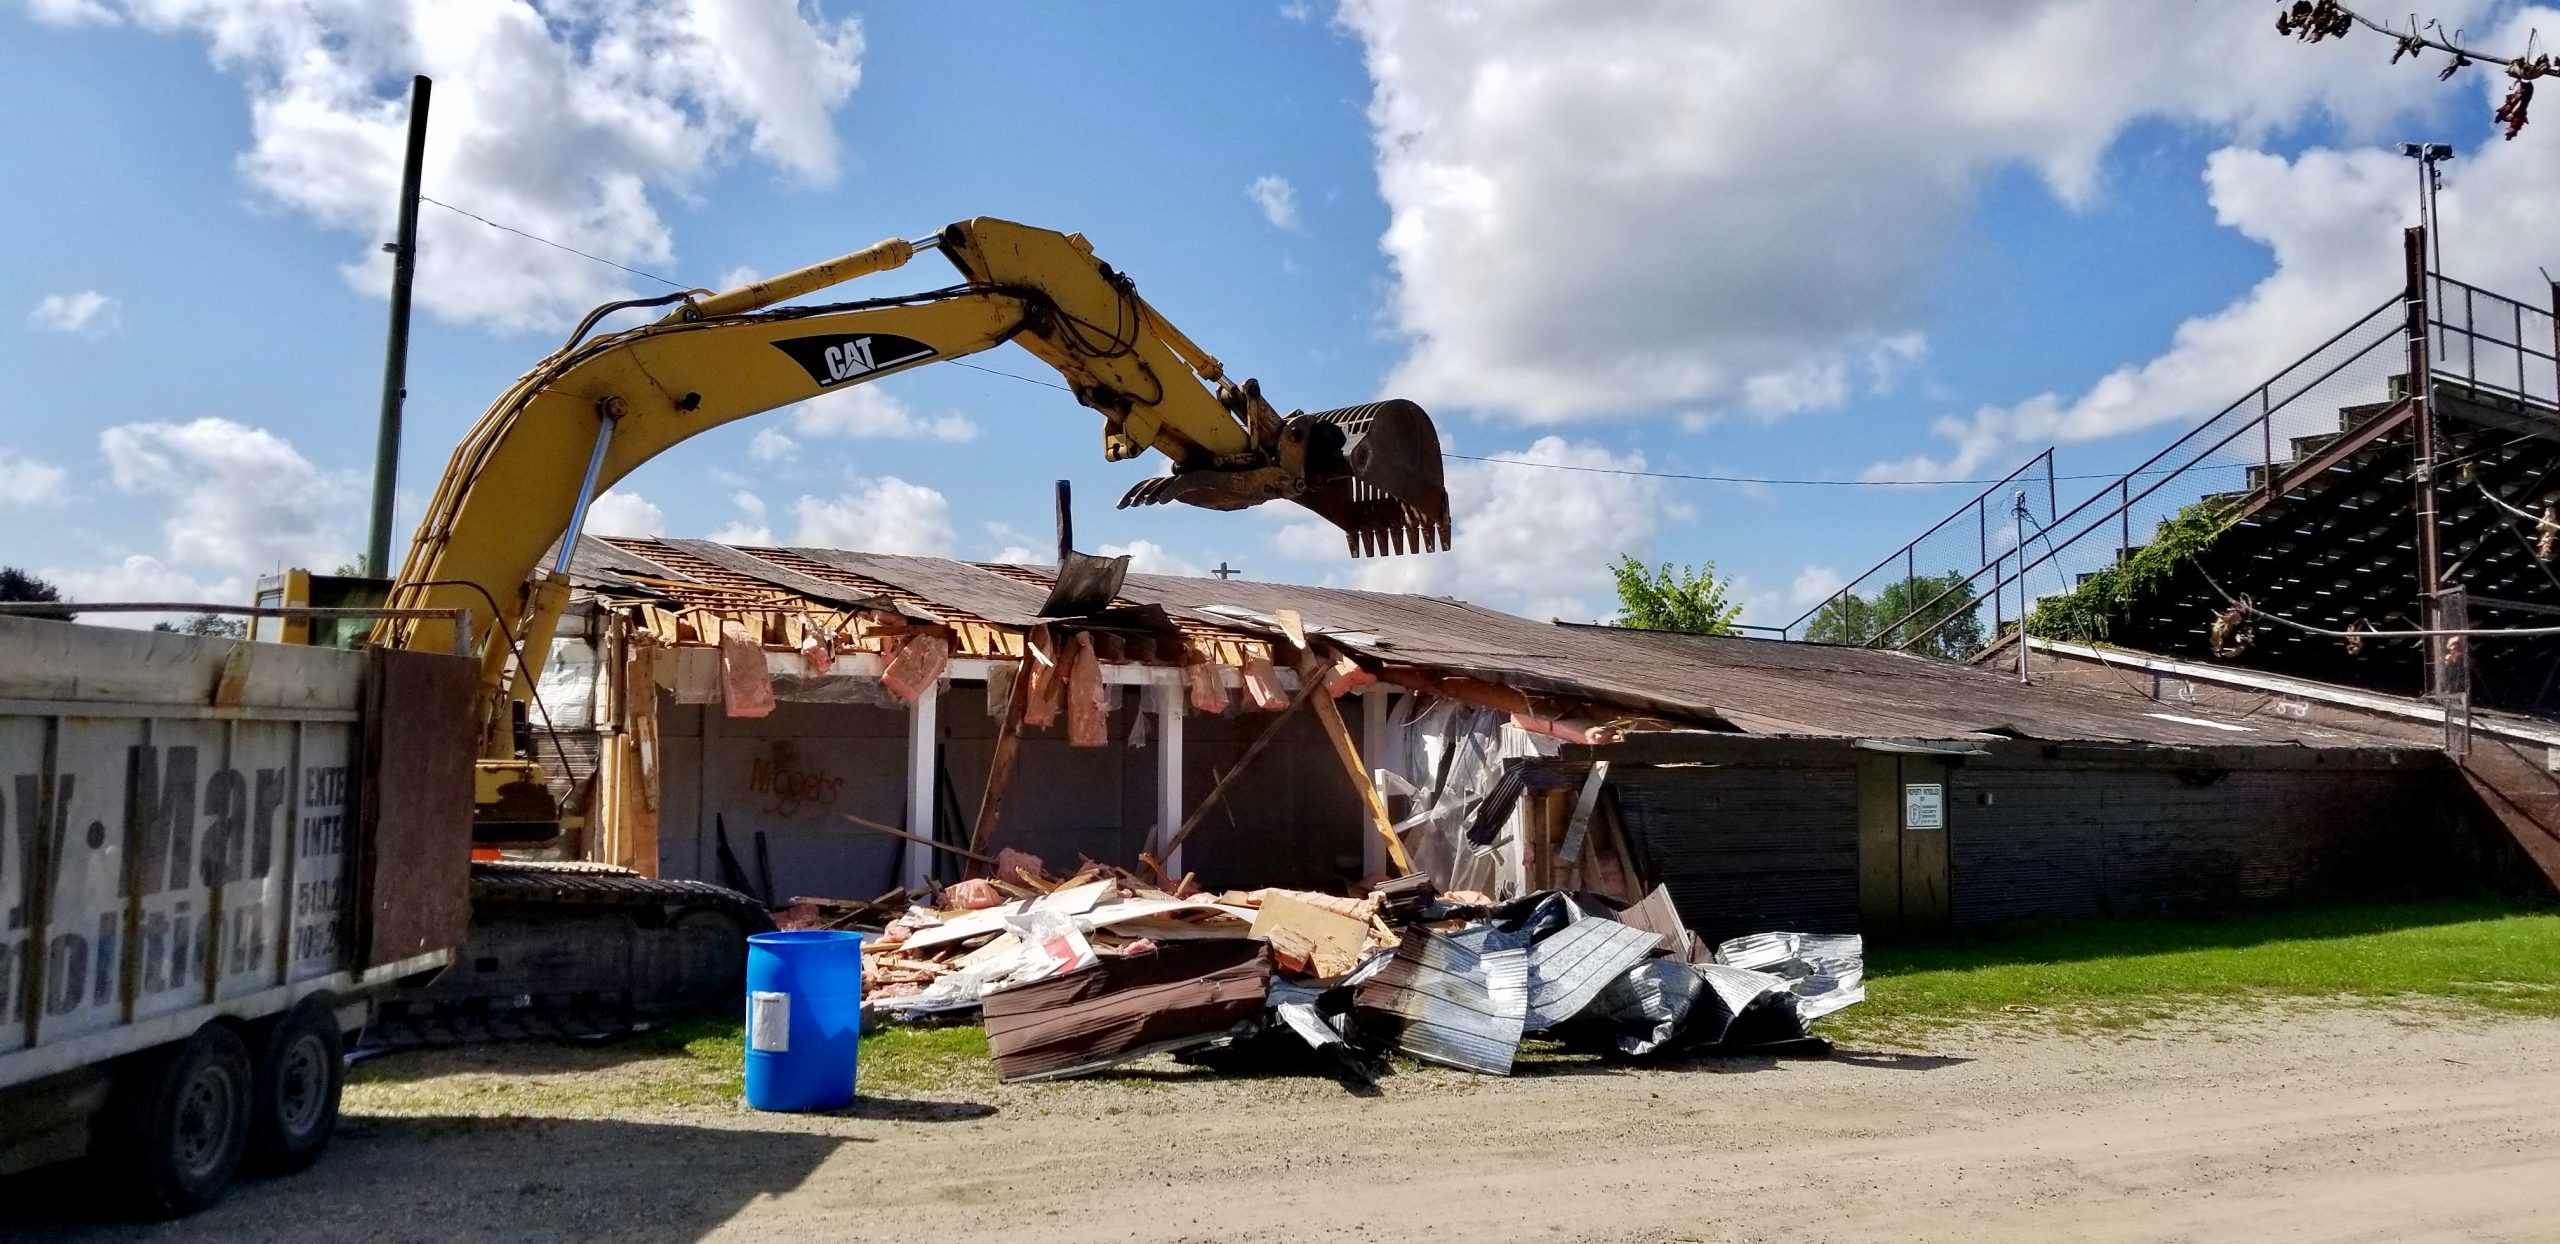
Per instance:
(814,723)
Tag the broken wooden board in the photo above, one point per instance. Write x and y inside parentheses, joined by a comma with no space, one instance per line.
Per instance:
(1307,938)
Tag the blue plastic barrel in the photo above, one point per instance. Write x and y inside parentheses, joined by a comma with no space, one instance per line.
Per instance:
(804,1018)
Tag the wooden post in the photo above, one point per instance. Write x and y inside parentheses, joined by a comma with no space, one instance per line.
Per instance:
(1311,673)
(1377,741)
(1008,742)
(927,844)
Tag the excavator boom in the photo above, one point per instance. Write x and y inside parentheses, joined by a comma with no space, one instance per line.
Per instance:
(601,406)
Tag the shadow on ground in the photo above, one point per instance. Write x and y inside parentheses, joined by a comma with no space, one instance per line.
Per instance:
(466,1178)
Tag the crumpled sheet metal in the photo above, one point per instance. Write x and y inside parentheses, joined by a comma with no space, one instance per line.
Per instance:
(1568,969)
(1825,971)
(1442,1002)
(1763,987)
(1298,1007)
(1649,1002)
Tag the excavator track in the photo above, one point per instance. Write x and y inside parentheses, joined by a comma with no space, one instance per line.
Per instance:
(566,950)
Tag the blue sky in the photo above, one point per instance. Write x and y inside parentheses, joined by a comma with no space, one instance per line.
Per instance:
(1736,270)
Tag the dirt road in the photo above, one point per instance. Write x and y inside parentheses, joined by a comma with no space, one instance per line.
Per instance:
(2320,1125)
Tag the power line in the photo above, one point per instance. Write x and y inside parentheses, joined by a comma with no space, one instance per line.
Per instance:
(1046,384)
(548,242)
(1551,466)
(1839,483)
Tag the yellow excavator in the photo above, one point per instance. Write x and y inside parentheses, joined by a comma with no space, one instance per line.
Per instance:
(519,485)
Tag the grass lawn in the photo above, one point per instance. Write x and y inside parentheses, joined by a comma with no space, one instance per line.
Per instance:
(2080,976)
(2096,974)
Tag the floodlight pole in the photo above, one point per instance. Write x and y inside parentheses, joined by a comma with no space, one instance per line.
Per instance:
(395,354)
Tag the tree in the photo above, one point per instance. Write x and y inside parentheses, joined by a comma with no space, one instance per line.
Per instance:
(1674,598)
(18,585)
(213,625)
(1853,619)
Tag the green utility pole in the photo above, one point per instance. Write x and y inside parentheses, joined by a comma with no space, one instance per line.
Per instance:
(395,355)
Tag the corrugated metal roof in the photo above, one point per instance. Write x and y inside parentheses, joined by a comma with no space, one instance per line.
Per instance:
(1754,686)
(1568,968)
(1437,1000)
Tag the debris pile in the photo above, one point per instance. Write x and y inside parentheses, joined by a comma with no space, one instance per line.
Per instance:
(1077,975)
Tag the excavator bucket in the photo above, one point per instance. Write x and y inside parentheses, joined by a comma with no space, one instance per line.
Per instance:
(1373,471)
(1386,494)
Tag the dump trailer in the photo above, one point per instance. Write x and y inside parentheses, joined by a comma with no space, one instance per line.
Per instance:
(214,855)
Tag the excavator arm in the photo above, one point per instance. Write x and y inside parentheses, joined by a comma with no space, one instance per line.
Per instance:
(593,412)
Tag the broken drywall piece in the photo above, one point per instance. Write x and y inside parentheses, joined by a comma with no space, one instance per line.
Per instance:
(746,686)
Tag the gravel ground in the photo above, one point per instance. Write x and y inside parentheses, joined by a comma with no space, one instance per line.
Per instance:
(2307,1123)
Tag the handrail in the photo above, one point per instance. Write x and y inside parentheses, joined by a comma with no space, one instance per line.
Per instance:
(2054,544)
(2045,457)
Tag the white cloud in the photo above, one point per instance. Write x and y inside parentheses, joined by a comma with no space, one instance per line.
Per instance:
(86,314)
(142,577)
(872,413)
(27,481)
(1277,198)
(241,498)
(559,117)
(772,446)
(1294,10)
(1024,555)
(1537,541)
(2331,221)
(752,525)
(1599,210)
(624,514)
(1812,585)
(1145,557)
(882,515)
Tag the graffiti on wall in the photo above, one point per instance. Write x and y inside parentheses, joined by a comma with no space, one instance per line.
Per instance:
(784,786)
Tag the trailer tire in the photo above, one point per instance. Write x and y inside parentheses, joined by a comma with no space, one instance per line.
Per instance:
(301,1071)
(177,1123)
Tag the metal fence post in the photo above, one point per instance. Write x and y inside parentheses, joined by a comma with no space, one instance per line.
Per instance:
(2266,441)
(2124,520)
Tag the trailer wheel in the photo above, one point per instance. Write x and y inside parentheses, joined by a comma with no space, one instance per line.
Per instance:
(301,1070)
(177,1123)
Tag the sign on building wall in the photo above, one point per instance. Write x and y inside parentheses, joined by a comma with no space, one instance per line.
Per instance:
(1924,805)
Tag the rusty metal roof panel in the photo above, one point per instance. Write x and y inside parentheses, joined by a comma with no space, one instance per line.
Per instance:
(1441,1002)
(1126,1007)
